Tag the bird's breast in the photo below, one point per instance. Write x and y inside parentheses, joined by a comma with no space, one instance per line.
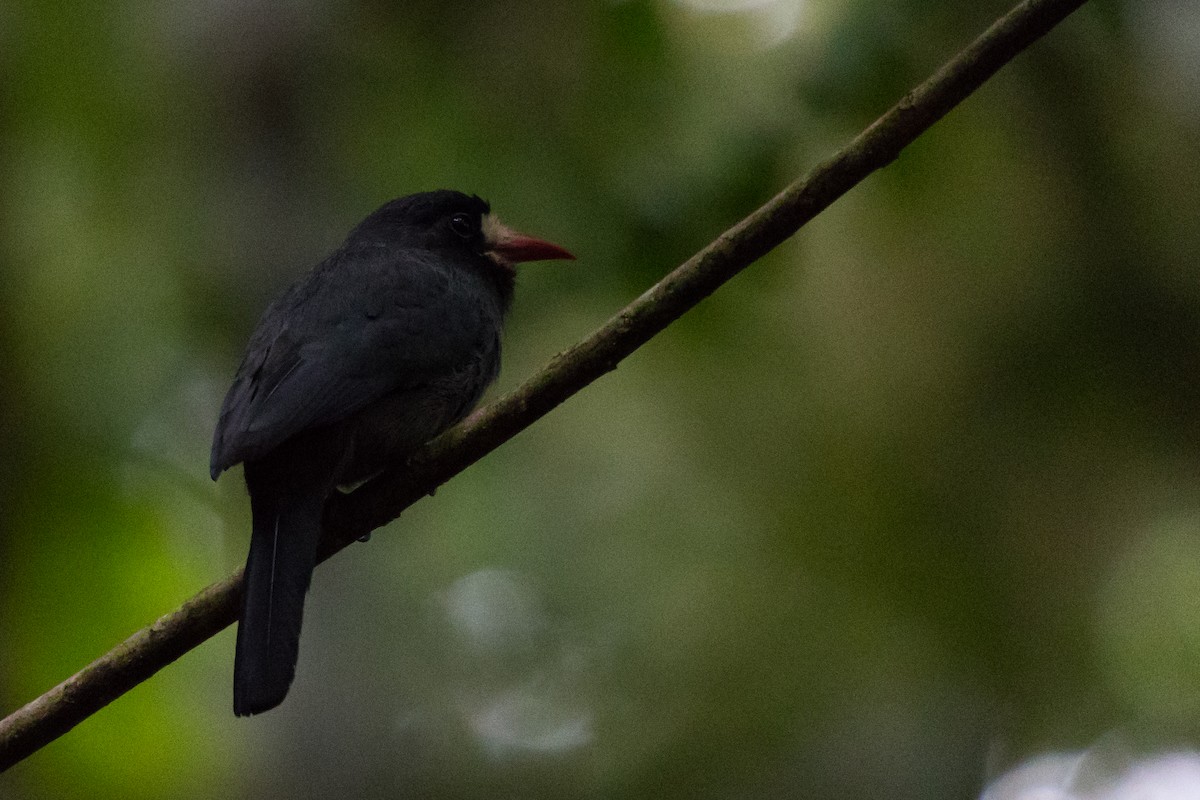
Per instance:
(398,423)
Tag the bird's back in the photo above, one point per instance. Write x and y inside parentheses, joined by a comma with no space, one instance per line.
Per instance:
(367,324)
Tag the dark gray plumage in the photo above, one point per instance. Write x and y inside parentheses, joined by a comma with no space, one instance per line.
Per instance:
(389,341)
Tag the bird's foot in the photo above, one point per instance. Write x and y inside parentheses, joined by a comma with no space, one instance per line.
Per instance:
(347,488)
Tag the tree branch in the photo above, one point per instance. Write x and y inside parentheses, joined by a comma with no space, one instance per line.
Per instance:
(380,501)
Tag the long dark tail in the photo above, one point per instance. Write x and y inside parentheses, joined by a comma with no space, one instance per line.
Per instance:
(283,550)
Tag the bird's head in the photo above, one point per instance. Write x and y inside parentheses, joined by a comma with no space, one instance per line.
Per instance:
(450,221)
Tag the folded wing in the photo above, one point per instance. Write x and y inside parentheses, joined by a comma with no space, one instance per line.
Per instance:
(384,324)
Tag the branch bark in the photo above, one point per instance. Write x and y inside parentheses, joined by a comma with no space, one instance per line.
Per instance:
(137,658)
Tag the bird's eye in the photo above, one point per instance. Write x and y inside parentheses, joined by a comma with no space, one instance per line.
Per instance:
(462,225)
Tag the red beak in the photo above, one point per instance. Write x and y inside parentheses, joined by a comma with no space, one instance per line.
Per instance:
(516,247)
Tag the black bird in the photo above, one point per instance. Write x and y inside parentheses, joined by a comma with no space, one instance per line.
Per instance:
(386,343)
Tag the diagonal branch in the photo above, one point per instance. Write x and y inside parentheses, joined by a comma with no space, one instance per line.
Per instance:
(137,658)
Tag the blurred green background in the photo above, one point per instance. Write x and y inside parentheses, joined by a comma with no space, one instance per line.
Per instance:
(913,499)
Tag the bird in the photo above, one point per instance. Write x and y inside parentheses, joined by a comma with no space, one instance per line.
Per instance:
(387,342)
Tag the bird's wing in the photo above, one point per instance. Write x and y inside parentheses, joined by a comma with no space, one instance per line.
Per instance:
(354,331)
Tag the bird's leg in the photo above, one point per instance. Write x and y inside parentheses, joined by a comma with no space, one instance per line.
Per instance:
(413,463)
(347,488)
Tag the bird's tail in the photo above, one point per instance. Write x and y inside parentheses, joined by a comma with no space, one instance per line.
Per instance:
(283,551)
